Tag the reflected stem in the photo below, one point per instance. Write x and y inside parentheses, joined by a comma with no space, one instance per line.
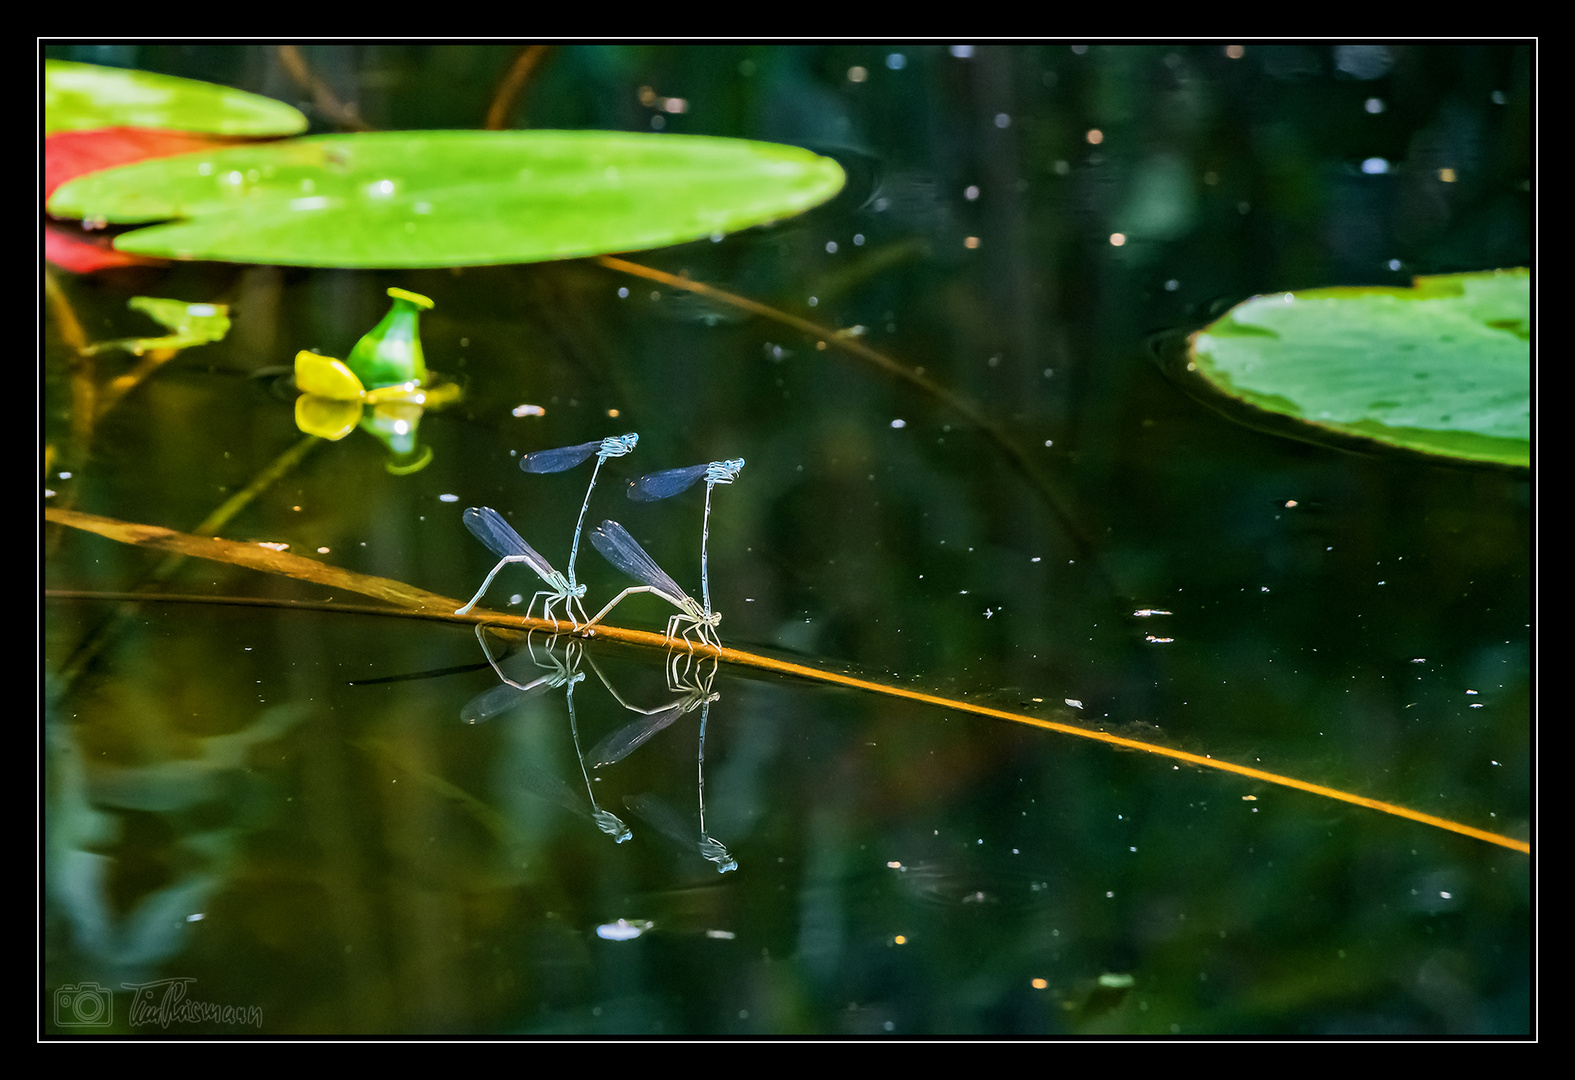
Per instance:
(279,468)
(122,385)
(1054,498)
(324,99)
(506,101)
(83,369)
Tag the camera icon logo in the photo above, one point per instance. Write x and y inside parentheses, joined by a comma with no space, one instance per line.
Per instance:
(84,1005)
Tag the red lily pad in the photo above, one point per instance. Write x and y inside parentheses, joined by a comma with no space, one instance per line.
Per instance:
(69,154)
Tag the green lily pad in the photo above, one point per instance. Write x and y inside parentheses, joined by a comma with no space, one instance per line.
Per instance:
(448,198)
(1442,368)
(80,97)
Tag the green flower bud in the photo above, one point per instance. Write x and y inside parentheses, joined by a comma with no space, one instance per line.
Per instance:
(390,352)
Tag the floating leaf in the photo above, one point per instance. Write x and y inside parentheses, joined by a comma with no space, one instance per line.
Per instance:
(69,248)
(192,324)
(79,97)
(97,117)
(448,198)
(1442,368)
(67,154)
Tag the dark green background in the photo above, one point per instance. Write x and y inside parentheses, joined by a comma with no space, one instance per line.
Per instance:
(346,885)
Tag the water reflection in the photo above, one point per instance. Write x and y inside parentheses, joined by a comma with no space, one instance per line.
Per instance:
(556,673)
(693,680)
(208,805)
(537,670)
(386,897)
(695,694)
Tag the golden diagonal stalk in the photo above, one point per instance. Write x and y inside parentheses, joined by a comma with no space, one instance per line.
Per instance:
(422,604)
(94,642)
(323,97)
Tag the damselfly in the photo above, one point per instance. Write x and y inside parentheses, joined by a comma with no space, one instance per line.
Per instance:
(488,526)
(621,549)
(669,482)
(567,457)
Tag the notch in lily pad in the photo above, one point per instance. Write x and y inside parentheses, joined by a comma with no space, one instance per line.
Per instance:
(1441,369)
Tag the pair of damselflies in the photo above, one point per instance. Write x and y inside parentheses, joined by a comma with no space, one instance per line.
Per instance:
(611,539)
(621,549)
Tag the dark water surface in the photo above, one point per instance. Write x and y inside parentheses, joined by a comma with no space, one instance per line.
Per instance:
(263,806)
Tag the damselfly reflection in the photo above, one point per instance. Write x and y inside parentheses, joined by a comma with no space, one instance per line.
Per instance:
(670,824)
(488,526)
(696,694)
(519,681)
(709,846)
(670,482)
(567,457)
(620,549)
(695,686)
(516,688)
